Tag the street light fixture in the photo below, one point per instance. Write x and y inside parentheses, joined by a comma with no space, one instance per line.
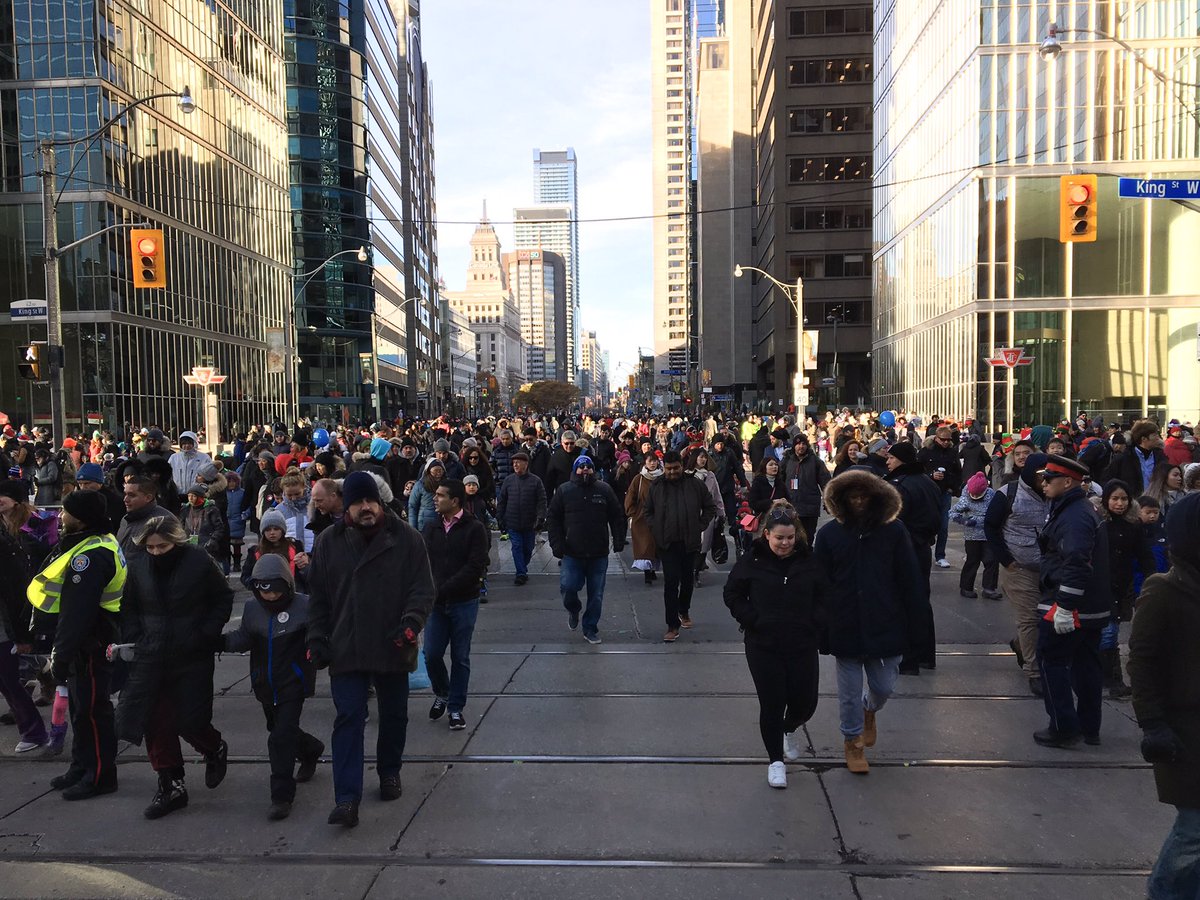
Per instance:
(795,294)
(1051,49)
(51,251)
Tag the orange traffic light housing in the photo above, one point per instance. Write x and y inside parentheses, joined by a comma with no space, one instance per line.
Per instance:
(149,264)
(30,363)
(1077,206)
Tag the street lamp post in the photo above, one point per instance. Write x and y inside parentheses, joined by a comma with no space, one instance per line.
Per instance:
(51,251)
(835,320)
(795,295)
(291,386)
(1051,49)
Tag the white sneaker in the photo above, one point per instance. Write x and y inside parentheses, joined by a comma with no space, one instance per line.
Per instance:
(942,564)
(777,775)
(26,746)
(791,746)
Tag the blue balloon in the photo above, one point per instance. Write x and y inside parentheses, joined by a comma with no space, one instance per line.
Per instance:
(887,419)
(321,438)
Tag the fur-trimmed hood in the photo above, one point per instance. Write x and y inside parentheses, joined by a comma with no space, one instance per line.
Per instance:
(885,499)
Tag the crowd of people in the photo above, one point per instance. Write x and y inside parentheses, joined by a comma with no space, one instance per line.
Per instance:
(364,547)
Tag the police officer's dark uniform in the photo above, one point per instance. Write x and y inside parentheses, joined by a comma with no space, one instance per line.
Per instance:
(1075,607)
(80,586)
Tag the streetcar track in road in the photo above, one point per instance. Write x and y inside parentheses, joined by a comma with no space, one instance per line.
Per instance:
(883,869)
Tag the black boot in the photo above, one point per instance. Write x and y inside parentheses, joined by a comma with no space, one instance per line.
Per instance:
(1114,679)
(171,795)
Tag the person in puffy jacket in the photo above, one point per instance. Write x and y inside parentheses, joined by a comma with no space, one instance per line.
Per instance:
(202,522)
(777,592)
(274,628)
(969,512)
(420,503)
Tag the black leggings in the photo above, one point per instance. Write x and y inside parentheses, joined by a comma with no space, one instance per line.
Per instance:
(786,682)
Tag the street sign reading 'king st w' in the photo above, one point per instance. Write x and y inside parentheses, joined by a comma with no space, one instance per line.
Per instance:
(1159,188)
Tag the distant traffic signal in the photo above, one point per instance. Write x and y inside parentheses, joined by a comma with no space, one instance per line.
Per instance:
(30,361)
(1077,209)
(149,266)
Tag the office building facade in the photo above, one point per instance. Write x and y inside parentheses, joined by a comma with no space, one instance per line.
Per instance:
(552,227)
(556,183)
(215,181)
(538,281)
(973,131)
(671,29)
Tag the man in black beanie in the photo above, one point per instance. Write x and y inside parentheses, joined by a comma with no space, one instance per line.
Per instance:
(370,591)
(79,586)
(1164,671)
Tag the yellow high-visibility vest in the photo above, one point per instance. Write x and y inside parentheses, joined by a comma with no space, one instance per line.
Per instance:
(46,588)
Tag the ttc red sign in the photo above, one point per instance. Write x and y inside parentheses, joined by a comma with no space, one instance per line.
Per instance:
(1010,358)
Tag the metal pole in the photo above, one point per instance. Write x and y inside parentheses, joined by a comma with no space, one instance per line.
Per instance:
(835,367)
(58,426)
(797,391)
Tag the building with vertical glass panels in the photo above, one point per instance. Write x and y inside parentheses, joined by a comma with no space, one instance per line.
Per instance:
(215,181)
(973,130)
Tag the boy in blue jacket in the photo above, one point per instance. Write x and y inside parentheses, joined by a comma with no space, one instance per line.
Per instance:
(274,628)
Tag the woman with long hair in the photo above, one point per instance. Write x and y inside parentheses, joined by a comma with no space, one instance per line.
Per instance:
(645,553)
(847,456)
(777,592)
(701,467)
(1166,486)
(175,605)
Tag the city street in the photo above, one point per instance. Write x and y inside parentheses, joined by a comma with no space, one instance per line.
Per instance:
(631,769)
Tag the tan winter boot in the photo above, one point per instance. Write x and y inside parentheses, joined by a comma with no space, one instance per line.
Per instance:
(869,734)
(856,760)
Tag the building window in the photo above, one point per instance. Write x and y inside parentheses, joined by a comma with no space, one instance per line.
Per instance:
(844,70)
(848,217)
(829,119)
(828,168)
(810,22)
(829,265)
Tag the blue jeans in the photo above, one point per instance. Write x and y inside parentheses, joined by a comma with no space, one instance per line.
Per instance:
(349,692)
(1177,873)
(575,573)
(452,624)
(881,681)
(944,511)
(523,543)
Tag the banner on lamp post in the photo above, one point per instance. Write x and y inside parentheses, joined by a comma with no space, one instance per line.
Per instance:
(809,344)
(276,351)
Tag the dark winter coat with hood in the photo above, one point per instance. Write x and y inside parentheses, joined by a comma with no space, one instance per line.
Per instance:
(173,613)
(276,637)
(581,518)
(877,607)
(779,602)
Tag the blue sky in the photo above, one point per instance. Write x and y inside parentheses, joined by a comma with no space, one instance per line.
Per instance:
(511,76)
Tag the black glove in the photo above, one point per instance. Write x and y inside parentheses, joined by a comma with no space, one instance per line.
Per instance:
(318,656)
(60,668)
(217,644)
(1160,744)
(618,546)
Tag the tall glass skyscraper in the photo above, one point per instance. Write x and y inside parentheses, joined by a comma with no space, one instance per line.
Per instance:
(215,181)
(556,183)
(973,129)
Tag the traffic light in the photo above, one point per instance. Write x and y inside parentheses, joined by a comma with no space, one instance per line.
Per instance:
(30,361)
(149,266)
(1077,202)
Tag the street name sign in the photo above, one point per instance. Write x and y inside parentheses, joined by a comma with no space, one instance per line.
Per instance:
(1159,188)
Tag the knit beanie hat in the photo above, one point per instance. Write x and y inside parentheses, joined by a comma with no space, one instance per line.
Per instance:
(90,472)
(977,485)
(380,447)
(582,460)
(89,507)
(359,486)
(905,452)
(272,518)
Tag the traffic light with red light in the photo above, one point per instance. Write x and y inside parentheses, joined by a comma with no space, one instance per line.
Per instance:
(149,266)
(1077,209)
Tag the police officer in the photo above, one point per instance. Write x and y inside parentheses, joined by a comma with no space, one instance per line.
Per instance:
(80,584)
(1075,606)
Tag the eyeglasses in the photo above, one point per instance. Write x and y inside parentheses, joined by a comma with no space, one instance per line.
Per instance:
(780,515)
(584,469)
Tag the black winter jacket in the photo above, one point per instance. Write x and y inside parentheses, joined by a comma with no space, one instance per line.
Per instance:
(778,602)
(1127,467)
(920,510)
(174,616)
(458,558)
(1164,671)
(805,478)
(877,607)
(501,460)
(560,470)
(279,667)
(82,627)
(363,594)
(582,517)
(1074,572)
(936,456)
(522,502)
(1127,543)
(763,493)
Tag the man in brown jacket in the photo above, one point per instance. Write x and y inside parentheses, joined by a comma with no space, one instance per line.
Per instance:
(1164,671)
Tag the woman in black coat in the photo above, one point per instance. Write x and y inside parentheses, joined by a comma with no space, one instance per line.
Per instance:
(175,605)
(776,592)
(767,487)
(1127,542)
